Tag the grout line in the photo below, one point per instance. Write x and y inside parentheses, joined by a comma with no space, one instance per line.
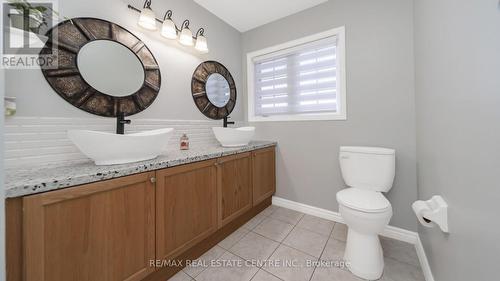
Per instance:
(258,268)
(319,259)
(333,229)
(265,237)
(303,214)
(248,231)
(204,268)
(254,274)
(228,250)
(263,269)
(322,234)
(251,229)
(330,237)
(281,243)
(418,267)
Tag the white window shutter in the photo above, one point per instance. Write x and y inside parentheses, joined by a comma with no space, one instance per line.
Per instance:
(299,80)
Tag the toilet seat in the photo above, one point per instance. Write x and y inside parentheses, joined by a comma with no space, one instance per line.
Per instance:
(363,200)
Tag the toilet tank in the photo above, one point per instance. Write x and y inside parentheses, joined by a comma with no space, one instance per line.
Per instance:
(370,168)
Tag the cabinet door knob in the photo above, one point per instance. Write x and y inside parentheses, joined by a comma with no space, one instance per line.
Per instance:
(152,179)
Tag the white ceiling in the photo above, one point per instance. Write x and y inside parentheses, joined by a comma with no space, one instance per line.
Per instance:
(248,14)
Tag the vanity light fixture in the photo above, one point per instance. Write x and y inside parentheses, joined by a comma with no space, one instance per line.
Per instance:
(147,19)
(201,42)
(169,30)
(186,37)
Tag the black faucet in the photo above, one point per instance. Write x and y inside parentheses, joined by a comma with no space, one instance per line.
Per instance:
(227,122)
(120,123)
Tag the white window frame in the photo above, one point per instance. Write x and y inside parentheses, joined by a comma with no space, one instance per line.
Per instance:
(341,113)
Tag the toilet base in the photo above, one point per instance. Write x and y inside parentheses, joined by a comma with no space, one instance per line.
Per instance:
(364,255)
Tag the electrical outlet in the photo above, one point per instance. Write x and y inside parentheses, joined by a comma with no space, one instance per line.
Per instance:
(9,106)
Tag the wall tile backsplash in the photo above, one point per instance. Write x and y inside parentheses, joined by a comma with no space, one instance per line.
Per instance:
(41,140)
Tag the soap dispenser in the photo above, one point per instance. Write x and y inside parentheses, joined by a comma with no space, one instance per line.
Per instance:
(184,142)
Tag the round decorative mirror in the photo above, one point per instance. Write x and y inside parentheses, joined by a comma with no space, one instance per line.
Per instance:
(99,58)
(213,90)
(100,67)
(218,91)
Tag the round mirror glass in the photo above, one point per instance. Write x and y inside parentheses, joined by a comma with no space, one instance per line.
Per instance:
(218,91)
(110,68)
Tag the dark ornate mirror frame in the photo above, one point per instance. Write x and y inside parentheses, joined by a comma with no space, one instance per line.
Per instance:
(68,82)
(198,90)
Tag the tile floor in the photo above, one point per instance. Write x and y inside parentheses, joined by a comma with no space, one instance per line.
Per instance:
(282,244)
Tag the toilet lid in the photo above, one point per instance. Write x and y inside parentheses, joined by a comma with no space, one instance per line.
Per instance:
(363,200)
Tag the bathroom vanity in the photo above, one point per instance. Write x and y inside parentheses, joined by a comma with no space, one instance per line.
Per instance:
(125,222)
(133,221)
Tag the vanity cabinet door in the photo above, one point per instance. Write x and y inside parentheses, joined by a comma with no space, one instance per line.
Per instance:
(99,231)
(234,177)
(186,207)
(264,174)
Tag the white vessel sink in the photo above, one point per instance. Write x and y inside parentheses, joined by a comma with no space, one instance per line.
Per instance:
(109,149)
(230,137)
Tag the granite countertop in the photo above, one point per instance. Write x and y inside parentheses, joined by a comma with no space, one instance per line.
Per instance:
(32,180)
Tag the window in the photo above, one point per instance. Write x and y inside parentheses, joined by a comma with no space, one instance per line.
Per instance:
(299,80)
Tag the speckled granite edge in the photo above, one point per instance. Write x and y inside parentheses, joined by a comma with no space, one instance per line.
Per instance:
(32,180)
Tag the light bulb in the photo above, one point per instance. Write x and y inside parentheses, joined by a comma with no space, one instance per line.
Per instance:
(147,20)
(186,37)
(168,29)
(201,44)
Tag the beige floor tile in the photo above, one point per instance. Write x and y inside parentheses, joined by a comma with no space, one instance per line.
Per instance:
(233,238)
(316,224)
(400,251)
(399,271)
(263,275)
(290,264)
(269,210)
(273,229)
(307,241)
(340,232)
(181,276)
(200,264)
(334,250)
(229,267)
(287,215)
(251,224)
(330,273)
(254,247)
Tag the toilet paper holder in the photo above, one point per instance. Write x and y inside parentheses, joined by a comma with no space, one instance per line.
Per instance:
(432,212)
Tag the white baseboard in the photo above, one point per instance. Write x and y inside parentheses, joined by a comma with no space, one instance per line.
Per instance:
(390,231)
(307,209)
(424,263)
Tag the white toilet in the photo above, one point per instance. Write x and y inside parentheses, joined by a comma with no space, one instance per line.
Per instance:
(368,171)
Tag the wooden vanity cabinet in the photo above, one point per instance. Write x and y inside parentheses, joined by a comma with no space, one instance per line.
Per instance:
(99,231)
(234,184)
(114,230)
(264,174)
(186,207)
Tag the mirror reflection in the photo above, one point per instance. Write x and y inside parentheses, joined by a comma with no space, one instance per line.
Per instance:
(110,68)
(218,91)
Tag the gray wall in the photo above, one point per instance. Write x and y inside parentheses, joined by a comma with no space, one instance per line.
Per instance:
(457,47)
(2,190)
(380,102)
(177,63)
